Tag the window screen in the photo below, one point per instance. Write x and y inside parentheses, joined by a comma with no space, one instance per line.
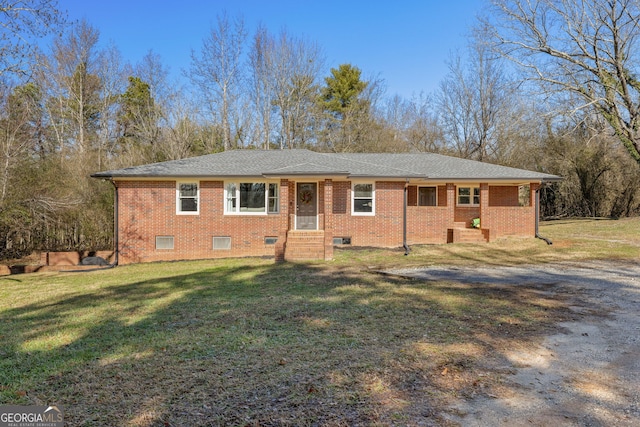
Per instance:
(164,242)
(221,243)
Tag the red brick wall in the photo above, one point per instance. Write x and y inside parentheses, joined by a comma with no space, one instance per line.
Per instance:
(412,195)
(382,230)
(503,195)
(72,258)
(442,195)
(341,200)
(509,219)
(427,224)
(466,213)
(148,209)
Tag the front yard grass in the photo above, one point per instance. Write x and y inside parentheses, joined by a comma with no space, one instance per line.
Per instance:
(251,342)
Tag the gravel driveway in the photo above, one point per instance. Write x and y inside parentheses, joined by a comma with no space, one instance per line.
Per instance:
(588,373)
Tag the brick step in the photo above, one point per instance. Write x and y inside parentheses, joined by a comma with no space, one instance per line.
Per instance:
(468,235)
(304,245)
(467,239)
(304,257)
(306,242)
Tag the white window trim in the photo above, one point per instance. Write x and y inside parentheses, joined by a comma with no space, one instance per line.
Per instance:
(237,196)
(268,197)
(178,204)
(471,196)
(373,198)
(427,186)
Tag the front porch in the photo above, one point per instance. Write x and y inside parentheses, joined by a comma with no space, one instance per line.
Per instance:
(314,213)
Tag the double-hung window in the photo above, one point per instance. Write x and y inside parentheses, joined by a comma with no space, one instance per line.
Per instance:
(468,196)
(274,199)
(187,198)
(363,199)
(251,198)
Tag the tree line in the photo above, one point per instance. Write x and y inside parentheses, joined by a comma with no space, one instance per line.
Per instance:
(520,95)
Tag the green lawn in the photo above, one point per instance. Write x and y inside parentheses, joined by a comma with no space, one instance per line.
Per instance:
(251,342)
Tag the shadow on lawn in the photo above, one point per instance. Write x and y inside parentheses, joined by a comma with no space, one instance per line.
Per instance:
(272,344)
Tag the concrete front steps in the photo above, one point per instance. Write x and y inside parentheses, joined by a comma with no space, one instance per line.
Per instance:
(304,245)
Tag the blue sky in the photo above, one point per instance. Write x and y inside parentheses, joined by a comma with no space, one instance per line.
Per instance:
(404,42)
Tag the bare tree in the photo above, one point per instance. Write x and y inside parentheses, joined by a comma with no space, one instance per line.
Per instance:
(587,47)
(149,109)
(217,71)
(456,109)
(21,22)
(284,74)
(72,87)
(152,71)
(472,99)
(261,84)
(297,67)
(111,72)
(182,133)
(414,123)
(600,179)
(18,112)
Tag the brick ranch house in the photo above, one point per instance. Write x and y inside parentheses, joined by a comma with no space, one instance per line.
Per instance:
(300,204)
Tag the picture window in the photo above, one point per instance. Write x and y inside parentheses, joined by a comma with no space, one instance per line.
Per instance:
(252,198)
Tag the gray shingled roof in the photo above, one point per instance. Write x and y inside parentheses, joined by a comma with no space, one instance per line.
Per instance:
(276,163)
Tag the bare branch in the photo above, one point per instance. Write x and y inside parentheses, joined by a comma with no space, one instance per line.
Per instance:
(587,47)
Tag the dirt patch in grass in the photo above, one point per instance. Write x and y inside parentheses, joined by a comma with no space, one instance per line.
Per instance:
(584,372)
